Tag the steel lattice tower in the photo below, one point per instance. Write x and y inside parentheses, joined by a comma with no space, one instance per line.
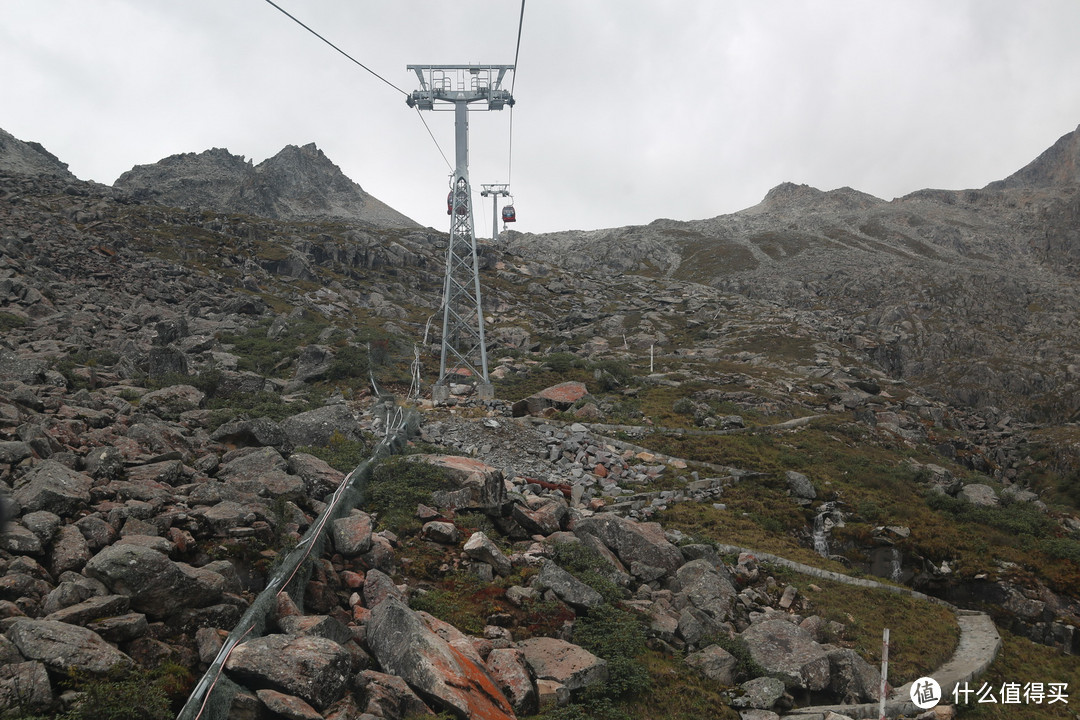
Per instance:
(464,349)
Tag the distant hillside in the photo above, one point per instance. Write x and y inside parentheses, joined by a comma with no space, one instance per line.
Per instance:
(299,183)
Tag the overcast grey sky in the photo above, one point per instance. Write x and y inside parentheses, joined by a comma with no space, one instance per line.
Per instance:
(627,110)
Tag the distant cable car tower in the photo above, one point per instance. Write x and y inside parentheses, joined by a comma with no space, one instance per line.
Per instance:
(463,315)
(495,190)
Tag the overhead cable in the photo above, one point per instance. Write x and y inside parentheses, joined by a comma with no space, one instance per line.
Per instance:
(365,67)
(350,57)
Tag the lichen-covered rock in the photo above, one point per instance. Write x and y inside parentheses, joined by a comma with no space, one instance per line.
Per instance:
(62,646)
(510,671)
(789,652)
(632,541)
(156,585)
(352,533)
(405,646)
(312,668)
(565,663)
(479,486)
(54,487)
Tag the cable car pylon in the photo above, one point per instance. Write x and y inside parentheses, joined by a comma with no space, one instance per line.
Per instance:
(497,190)
(464,348)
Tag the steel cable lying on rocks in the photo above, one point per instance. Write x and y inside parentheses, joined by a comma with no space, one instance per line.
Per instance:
(213,695)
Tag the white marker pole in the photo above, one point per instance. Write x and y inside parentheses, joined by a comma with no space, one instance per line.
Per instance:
(884,673)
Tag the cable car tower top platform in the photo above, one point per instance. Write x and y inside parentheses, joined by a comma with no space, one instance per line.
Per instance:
(460,83)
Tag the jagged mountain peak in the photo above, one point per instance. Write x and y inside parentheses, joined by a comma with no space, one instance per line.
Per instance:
(297,183)
(791,195)
(23,157)
(1057,165)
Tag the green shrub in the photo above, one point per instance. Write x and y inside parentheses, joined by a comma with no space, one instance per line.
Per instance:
(562,362)
(129,694)
(349,362)
(340,453)
(583,562)
(745,666)
(10,322)
(397,486)
(617,636)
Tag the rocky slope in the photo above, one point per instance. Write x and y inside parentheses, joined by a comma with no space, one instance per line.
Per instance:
(174,382)
(970,292)
(298,183)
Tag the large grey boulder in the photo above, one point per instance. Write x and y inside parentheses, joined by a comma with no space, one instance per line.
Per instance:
(61,646)
(319,478)
(790,653)
(156,585)
(479,486)
(313,364)
(54,487)
(978,494)
(262,472)
(854,680)
(480,547)
(632,541)
(405,646)
(800,485)
(26,683)
(388,696)
(316,427)
(167,403)
(706,587)
(257,432)
(715,663)
(569,589)
(562,662)
(312,668)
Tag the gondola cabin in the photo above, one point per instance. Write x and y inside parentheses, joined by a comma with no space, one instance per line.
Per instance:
(508,214)
(463,207)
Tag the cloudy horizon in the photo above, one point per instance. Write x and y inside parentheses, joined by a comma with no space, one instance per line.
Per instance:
(626,112)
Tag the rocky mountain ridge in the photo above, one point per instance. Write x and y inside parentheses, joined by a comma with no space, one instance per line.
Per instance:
(970,291)
(295,184)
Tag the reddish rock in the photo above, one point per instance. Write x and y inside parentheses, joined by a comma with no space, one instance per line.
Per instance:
(559,397)
(404,645)
(510,671)
(288,706)
(352,580)
(352,534)
(600,471)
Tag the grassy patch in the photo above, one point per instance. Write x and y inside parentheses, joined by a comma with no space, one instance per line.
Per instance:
(11,322)
(340,453)
(922,635)
(464,601)
(397,486)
